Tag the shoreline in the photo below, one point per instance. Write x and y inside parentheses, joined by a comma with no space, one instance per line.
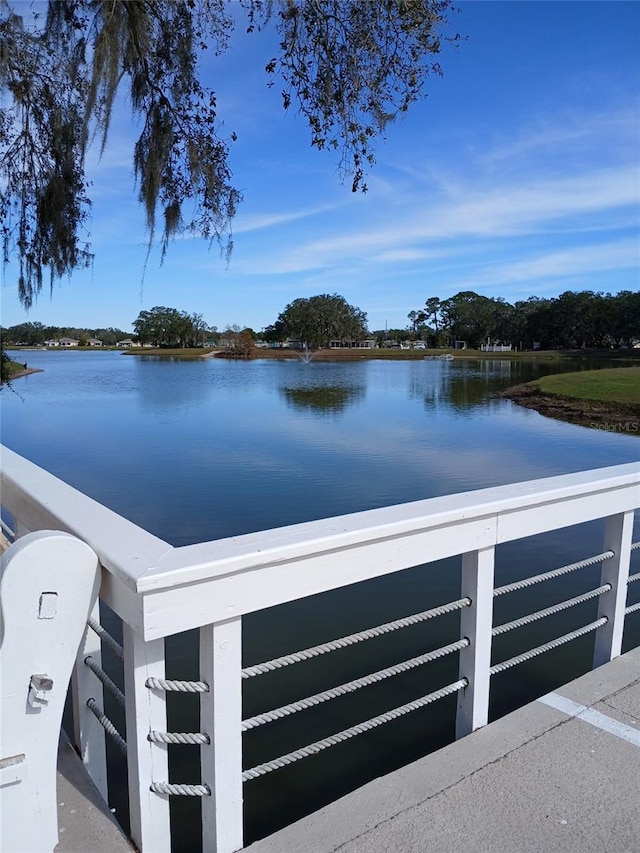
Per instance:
(594,414)
(623,356)
(429,354)
(24,372)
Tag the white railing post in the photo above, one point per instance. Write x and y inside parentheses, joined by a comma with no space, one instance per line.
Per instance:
(89,736)
(615,570)
(221,718)
(147,762)
(476,622)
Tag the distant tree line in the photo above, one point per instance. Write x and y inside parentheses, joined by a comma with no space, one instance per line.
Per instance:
(35,334)
(573,320)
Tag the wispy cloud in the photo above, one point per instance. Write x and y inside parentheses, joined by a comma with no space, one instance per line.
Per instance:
(571,133)
(416,229)
(259,221)
(577,260)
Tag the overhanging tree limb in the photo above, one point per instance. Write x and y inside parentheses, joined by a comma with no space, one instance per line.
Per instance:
(350,67)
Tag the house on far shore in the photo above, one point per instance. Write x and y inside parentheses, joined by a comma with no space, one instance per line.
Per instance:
(94,342)
(127,343)
(369,343)
(62,342)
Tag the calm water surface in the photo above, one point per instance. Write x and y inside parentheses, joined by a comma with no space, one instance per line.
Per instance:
(198,450)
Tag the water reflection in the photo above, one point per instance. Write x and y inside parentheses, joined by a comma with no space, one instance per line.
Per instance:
(325,399)
(184,383)
(465,385)
(461,386)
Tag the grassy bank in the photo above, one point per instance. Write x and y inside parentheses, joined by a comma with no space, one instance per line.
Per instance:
(14,369)
(169,352)
(618,385)
(602,399)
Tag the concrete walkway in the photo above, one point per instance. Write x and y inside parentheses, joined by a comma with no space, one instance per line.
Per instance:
(561,775)
(85,824)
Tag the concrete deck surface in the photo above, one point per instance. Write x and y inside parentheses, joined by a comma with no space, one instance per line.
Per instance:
(85,824)
(540,780)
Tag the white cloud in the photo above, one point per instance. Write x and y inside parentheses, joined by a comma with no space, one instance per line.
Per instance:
(576,261)
(414,229)
(571,133)
(258,221)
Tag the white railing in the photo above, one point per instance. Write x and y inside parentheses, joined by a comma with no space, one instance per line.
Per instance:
(158,591)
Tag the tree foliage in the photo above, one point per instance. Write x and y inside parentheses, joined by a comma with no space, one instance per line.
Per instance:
(353,66)
(35,334)
(349,67)
(318,320)
(168,327)
(5,367)
(572,320)
(237,342)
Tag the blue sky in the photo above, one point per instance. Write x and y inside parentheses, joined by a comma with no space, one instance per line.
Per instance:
(519,175)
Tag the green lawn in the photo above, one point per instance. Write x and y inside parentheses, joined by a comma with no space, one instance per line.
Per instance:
(617,385)
(10,368)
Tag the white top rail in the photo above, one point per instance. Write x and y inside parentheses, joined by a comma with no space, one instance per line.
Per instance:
(160,590)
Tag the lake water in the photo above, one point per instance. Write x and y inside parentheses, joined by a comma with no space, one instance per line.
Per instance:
(198,450)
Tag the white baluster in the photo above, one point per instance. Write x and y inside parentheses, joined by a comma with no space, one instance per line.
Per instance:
(89,736)
(221,718)
(146,710)
(475,623)
(615,570)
